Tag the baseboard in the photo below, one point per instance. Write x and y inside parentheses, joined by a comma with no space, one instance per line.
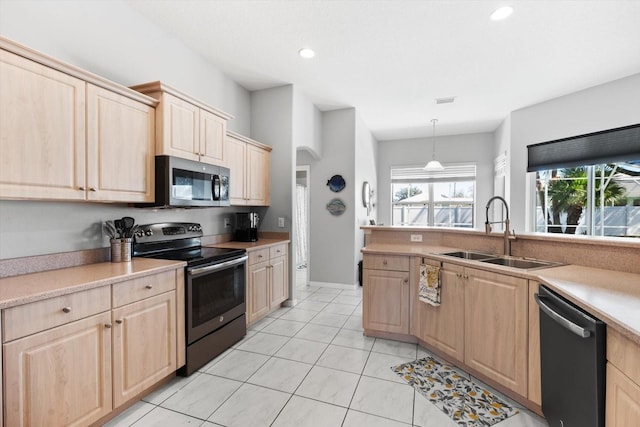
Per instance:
(334,285)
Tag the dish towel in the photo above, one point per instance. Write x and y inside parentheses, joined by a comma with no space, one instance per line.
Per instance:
(429,286)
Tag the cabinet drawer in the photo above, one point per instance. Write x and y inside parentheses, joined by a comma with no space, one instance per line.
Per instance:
(258,255)
(38,316)
(143,287)
(624,354)
(277,250)
(386,262)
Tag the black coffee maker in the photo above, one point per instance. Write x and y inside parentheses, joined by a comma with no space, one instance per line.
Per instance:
(247,226)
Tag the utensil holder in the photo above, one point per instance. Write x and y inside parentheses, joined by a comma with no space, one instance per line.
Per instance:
(121,249)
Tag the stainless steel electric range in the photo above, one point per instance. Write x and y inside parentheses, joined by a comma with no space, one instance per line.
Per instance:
(214,286)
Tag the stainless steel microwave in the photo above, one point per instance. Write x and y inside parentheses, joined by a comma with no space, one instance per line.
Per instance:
(186,183)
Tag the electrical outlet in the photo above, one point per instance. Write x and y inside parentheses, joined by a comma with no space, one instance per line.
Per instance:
(227,223)
(281,222)
(416,237)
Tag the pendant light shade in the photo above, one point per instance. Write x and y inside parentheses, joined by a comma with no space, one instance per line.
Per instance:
(434,165)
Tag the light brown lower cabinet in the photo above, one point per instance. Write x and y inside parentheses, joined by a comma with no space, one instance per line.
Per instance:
(78,358)
(443,326)
(496,327)
(267,281)
(59,377)
(623,381)
(385,294)
(144,345)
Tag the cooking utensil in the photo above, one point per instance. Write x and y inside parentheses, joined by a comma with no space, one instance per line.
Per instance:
(127,226)
(119,227)
(110,229)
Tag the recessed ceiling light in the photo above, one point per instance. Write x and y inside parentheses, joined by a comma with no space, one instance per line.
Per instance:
(305,52)
(501,13)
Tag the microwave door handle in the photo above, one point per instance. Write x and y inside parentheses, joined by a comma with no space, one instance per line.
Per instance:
(216,187)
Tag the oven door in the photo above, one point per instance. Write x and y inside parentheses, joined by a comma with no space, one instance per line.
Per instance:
(215,296)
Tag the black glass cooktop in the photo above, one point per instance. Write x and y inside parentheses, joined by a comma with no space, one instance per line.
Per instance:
(198,256)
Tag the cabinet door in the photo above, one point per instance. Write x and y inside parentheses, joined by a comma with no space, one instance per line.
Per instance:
(61,376)
(212,132)
(279,281)
(144,345)
(443,326)
(42,131)
(258,176)
(258,290)
(180,128)
(496,327)
(386,301)
(120,147)
(235,154)
(622,399)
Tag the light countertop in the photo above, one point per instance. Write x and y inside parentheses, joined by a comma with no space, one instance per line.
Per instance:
(611,296)
(27,288)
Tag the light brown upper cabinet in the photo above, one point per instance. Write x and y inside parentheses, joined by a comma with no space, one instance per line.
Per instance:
(186,127)
(249,162)
(66,134)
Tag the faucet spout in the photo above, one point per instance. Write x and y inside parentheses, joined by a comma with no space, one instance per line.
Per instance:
(487,224)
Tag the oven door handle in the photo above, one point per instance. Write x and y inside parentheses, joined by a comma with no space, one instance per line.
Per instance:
(216,267)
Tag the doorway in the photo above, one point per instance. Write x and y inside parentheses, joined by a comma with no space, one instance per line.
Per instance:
(302,225)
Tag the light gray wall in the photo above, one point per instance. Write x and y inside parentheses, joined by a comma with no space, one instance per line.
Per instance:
(366,148)
(112,40)
(476,148)
(332,237)
(606,106)
(307,127)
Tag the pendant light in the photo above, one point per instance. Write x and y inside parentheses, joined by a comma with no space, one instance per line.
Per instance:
(434,165)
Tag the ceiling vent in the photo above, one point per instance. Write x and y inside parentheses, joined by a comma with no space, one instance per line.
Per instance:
(447,100)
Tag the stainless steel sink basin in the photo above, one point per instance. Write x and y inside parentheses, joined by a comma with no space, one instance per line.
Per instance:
(525,264)
(473,255)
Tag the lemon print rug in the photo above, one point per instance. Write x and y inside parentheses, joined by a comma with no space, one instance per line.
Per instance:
(463,401)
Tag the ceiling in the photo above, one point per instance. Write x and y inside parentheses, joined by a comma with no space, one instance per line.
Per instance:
(392,59)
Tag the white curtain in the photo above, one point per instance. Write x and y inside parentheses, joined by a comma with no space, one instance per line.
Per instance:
(301,227)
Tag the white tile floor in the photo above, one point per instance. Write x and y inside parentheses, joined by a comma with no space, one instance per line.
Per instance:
(305,366)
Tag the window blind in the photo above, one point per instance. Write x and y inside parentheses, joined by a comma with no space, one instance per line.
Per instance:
(450,172)
(608,146)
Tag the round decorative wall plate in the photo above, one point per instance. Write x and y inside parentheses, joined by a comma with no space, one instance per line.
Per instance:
(336,183)
(336,207)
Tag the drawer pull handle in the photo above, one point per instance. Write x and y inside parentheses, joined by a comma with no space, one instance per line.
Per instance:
(66,309)
(384,262)
(259,256)
(108,325)
(119,322)
(149,286)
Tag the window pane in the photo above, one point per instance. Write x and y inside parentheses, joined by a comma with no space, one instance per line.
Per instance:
(453,197)
(600,200)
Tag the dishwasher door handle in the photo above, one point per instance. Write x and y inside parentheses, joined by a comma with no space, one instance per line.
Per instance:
(566,323)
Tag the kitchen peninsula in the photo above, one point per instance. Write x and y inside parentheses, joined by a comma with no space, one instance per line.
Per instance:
(494,333)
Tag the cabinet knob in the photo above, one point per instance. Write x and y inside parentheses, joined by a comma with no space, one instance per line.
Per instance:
(119,322)
(93,189)
(406,280)
(66,309)
(384,262)
(81,188)
(108,325)
(149,286)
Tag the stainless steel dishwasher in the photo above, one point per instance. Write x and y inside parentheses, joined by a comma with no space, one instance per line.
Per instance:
(572,357)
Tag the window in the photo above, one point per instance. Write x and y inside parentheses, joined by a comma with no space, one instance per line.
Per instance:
(441,199)
(602,200)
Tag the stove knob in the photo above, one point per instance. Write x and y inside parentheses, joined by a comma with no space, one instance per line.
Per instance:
(139,233)
(148,233)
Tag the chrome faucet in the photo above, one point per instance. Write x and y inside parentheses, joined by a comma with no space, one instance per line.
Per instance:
(508,236)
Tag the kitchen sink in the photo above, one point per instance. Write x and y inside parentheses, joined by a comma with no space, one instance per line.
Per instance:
(473,255)
(525,264)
